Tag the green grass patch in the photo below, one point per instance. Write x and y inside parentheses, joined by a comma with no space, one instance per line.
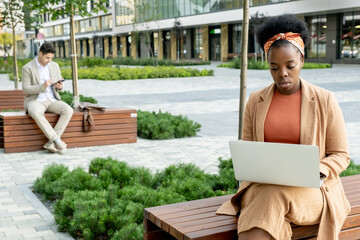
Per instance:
(105,73)
(107,201)
(10,110)
(353,169)
(152,125)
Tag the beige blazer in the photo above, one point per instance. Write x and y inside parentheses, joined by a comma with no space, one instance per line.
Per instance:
(31,81)
(322,124)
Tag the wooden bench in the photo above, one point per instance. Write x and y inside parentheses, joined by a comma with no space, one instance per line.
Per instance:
(11,99)
(20,133)
(198,220)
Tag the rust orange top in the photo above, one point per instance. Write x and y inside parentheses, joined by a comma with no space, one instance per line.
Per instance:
(282,123)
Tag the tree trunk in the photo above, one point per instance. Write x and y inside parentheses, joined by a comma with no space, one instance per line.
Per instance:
(16,72)
(74,62)
(244,53)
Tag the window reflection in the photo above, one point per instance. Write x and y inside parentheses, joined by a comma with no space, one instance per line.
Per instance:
(317,45)
(350,36)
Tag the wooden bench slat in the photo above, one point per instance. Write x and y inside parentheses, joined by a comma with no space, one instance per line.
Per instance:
(71,140)
(70,129)
(178,207)
(224,232)
(350,234)
(201,227)
(201,224)
(11,99)
(167,223)
(72,123)
(40,136)
(76,117)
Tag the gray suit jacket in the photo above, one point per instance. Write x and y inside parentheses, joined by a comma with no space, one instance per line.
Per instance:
(31,81)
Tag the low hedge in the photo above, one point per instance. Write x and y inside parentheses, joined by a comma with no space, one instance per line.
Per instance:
(258,65)
(152,125)
(105,73)
(159,62)
(108,200)
(68,97)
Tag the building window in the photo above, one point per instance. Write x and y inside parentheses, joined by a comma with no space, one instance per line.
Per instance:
(48,31)
(317,45)
(237,28)
(58,30)
(124,12)
(106,22)
(350,35)
(198,46)
(66,28)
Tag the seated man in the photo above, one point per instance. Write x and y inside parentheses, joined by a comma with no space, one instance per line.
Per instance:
(39,79)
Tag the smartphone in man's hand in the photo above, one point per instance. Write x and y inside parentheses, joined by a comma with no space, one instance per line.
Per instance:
(62,80)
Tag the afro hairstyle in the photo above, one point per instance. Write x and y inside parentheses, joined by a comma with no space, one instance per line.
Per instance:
(282,24)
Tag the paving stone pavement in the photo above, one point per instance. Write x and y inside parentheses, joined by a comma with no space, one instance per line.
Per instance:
(212,101)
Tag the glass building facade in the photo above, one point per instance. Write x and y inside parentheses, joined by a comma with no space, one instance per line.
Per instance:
(135,28)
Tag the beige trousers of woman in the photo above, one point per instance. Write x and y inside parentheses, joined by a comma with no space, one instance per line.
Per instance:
(273,207)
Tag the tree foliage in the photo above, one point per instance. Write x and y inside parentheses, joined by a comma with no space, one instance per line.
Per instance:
(71,7)
(11,13)
(12,17)
(6,39)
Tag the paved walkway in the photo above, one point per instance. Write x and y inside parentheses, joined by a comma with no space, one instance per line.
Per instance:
(212,101)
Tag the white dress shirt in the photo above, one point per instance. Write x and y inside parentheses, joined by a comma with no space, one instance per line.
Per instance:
(44,74)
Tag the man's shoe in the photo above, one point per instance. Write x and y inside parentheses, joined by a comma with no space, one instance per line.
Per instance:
(61,148)
(50,146)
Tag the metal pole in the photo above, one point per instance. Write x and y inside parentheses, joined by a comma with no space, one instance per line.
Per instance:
(74,61)
(244,53)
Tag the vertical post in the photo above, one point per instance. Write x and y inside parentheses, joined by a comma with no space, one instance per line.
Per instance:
(73,60)
(16,72)
(244,53)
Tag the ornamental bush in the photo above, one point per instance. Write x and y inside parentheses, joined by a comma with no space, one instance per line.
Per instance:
(67,97)
(90,206)
(152,125)
(108,73)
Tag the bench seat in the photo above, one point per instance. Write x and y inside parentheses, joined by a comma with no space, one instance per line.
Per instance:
(11,99)
(20,133)
(197,220)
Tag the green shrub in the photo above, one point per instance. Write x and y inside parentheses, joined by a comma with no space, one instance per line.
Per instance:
(160,62)
(50,174)
(225,179)
(252,64)
(353,169)
(89,209)
(10,110)
(105,73)
(92,62)
(67,97)
(161,125)
(308,65)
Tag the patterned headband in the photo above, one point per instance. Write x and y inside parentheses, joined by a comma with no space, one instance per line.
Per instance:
(293,38)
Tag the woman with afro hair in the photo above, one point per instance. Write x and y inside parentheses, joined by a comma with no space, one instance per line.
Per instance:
(294,111)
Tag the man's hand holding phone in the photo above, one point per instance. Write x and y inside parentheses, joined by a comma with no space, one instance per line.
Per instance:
(58,82)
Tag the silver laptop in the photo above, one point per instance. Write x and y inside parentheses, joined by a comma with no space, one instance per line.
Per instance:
(276,163)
